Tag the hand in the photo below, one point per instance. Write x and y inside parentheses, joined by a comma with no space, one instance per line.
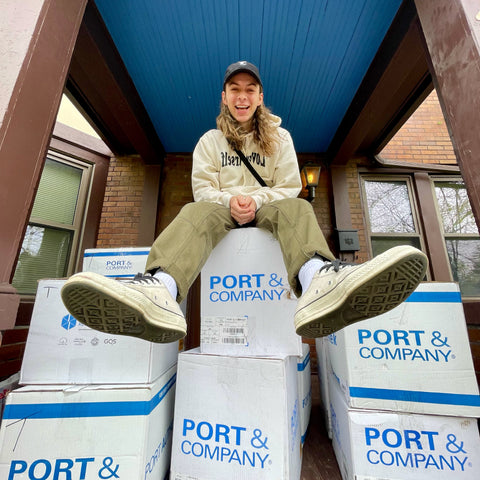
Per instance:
(242,209)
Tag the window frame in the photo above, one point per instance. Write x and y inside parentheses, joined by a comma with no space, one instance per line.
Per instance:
(445,236)
(426,214)
(79,219)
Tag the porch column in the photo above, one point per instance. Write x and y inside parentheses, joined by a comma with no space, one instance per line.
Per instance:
(452,35)
(37,38)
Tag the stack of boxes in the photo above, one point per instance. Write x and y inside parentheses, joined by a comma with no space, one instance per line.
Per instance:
(93,405)
(243,398)
(400,394)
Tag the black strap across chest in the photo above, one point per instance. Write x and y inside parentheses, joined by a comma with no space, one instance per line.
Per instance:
(259,179)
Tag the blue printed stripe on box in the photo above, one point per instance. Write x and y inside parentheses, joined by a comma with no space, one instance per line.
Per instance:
(87,409)
(416,396)
(435,297)
(115,254)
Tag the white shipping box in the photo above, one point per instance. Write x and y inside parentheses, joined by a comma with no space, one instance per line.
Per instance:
(236,418)
(60,350)
(247,306)
(89,433)
(379,445)
(415,358)
(116,262)
(323,369)
(304,371)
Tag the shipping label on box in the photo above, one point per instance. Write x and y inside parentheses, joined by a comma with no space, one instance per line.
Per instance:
(89,433)
(59,349)
(116,262)
(304,390)
(415,358)
(379,445)
(236,418)
(247,306)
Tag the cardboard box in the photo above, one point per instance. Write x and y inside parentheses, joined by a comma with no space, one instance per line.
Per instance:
(236,418)
(304,390)
(247,306)
(60,350)
(415,358)
(323,370)
(116,262)
(379,445)
(58,432)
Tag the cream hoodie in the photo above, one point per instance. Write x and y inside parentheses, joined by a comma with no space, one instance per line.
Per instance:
(218,173)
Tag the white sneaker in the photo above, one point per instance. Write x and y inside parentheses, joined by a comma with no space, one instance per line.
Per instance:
(141,307)
(341,294)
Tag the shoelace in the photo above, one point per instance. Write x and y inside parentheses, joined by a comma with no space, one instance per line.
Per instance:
(336,265)
(141,278)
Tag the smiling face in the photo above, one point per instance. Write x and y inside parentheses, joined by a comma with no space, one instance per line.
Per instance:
(242,96)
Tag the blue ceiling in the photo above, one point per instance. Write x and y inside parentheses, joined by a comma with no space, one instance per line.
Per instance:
(312,55)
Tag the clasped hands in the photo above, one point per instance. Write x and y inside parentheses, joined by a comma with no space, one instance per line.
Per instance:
(242,209)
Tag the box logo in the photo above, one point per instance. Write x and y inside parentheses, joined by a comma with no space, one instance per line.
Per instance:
(116,265)
(225,443)
(69,322)
(405,345)
(259,287)
(160,451)
(417,449)
(71,468)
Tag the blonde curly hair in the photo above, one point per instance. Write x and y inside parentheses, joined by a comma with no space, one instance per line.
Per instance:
(265,132)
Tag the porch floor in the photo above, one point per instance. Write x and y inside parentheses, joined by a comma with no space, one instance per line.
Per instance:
(319,462)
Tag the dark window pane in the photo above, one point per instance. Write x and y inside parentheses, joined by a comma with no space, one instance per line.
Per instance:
(380,245)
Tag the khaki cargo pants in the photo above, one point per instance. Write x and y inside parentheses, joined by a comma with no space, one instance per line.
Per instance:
(184,246)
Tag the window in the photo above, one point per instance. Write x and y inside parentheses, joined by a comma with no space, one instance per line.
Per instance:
(55,223)
(462,240)
(390,217)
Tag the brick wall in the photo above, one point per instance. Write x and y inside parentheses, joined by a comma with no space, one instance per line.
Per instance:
(423,138)
(119,224)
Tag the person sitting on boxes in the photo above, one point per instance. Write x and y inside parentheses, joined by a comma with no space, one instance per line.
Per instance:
(332,294)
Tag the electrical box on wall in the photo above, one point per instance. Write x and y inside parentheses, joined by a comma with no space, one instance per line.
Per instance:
(348,240)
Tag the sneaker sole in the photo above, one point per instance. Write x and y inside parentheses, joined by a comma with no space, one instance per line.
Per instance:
(114,314)
(366,298)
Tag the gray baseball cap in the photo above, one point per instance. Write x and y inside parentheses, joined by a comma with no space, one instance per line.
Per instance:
(239,67)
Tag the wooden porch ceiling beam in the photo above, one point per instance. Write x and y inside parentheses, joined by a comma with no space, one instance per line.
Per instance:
(396,83)
(100,86)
